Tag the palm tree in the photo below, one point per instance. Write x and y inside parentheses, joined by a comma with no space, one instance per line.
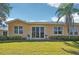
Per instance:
(67,10)
(4,11)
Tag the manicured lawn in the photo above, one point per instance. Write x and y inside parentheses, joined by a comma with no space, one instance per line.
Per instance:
(34,48)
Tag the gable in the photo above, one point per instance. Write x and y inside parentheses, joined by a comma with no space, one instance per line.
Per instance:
(16,21)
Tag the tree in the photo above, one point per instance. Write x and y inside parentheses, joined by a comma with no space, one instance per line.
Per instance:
(4,11)
(67,10)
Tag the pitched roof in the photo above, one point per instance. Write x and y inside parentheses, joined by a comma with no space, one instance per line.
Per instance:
(35,22)
(15,20)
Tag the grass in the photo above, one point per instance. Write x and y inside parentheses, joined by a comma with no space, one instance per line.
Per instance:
(24,48)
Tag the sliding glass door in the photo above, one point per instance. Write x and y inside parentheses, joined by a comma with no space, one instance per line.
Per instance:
(41,32)
(37,32)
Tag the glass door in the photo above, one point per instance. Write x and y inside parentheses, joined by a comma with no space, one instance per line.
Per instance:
(37,32)
(41,32)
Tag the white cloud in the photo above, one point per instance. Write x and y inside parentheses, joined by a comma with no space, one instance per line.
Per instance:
(54,4)
(54,19)
(76,17)
(37,20)
(8,19)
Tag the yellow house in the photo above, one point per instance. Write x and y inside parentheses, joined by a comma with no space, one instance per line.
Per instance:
(39,30)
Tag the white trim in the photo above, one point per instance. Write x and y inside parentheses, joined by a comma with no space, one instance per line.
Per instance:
(18,29)
(39,32)
(58,30)
(16,20)
(61,23)
(73,30)
(14,30)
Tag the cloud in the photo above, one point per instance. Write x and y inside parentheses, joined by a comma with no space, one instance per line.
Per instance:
(8,19)
(54,19)
(37,20)
(54,4)
(76,17)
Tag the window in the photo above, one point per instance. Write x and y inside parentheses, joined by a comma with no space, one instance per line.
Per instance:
(33,32)
(42,32)
(73,31)
(58,30)
(18,30)
(5,33)
(76,33)
(37,32)
(55,30)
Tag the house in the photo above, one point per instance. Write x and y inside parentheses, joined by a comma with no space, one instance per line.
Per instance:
(3,29)
(39,30)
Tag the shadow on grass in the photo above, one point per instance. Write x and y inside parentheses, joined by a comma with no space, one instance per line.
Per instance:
(71,51)
(74,44)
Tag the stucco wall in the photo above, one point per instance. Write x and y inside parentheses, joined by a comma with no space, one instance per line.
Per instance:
(27,28)
(18,23)
(1,32)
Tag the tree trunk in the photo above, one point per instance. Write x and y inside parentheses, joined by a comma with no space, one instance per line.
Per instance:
(69,23)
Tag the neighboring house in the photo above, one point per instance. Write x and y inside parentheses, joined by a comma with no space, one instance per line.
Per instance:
(39,30)
(3,29)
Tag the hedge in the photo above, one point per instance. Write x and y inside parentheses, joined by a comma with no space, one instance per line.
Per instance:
(65,38)
(2,38)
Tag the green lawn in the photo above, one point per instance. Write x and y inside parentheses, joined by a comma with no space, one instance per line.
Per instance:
(34,48)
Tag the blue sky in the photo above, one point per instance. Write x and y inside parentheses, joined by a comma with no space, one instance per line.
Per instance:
(34,11)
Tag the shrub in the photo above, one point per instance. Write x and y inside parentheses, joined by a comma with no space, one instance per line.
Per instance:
(14,38)
(65,38)
(2,38)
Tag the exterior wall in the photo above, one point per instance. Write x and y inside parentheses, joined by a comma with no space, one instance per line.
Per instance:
(1,32)
(65,30)
(27,28)
(18,23)
(77,28)
(50,29)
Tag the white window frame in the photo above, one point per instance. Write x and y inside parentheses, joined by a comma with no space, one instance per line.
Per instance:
(18,30)
(58,30)
(39,32)
(73,30)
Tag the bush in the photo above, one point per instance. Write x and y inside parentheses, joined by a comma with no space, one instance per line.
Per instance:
(14,38)
(2,38)
(64,38)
